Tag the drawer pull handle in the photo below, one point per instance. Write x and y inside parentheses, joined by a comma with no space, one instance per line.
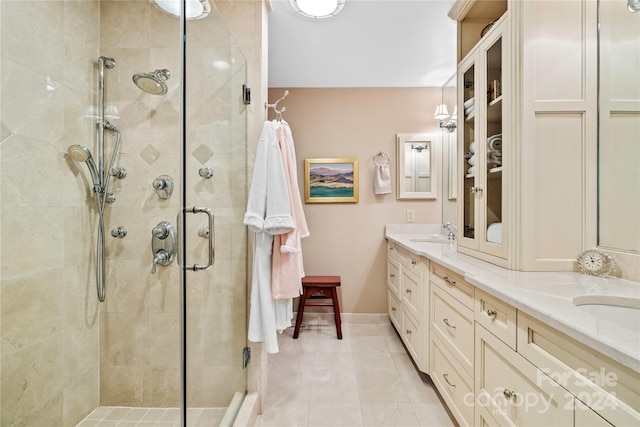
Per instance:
(408,291)
(408,331)
(446,378)
(492,313)
(393,309)
(413,263)
(393,276)
(446,322)
(449,281)
(509,394)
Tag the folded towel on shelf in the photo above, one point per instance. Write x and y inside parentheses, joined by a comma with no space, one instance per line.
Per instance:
(494,233)
(495,144)
(494,155)
(381,180)
(471,170)
(472,147)
(493,163)
(469,111)
(469,102)
(472,160)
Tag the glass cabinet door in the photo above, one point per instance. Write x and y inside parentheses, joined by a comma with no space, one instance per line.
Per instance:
(469,150)
(492,185)
(481,80)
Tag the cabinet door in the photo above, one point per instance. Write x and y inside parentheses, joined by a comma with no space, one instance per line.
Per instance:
(585,417)
(483,145)
(468,136)
(515,391)
(490,193)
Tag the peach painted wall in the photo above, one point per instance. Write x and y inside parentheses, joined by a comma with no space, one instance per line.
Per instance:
(348,239)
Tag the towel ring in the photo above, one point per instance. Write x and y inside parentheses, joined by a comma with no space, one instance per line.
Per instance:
(383,155)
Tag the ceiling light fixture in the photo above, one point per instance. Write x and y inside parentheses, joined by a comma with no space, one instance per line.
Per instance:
(317,9)
(194,9)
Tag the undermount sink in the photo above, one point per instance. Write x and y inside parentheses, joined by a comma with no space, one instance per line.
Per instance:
(617,310)
(434,238)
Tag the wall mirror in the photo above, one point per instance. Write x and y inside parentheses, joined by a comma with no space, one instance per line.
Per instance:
(619,127)
(418,170)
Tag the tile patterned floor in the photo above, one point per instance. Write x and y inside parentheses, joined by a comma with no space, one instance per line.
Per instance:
(366,379)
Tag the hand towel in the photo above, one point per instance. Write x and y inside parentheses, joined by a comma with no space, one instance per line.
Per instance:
(472,160)
(471,170)
(469,111)
(469,102)
(472,147)
(494,155)
(381,180)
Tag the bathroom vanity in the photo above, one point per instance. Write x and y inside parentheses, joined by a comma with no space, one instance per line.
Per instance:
(506,347)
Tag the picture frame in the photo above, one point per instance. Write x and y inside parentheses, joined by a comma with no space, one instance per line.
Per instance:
(331,180)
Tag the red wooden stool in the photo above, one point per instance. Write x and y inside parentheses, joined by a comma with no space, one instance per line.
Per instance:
(319,287)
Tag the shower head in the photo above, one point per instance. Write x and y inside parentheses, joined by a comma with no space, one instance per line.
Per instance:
(80,153)
(153,82)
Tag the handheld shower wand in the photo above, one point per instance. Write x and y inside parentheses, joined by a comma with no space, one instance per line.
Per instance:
(80,153)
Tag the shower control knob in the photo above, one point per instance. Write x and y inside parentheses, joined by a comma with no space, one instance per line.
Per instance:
(206,172)
(161,257)
(161,231)
(119,232)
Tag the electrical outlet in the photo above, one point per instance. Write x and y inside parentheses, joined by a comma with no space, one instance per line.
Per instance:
(411,215)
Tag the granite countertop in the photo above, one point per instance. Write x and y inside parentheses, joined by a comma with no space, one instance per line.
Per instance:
(547,296)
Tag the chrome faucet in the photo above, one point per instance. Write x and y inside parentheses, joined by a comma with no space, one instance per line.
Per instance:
(452,228)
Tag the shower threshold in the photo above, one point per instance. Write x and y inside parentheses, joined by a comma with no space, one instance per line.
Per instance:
(122,416)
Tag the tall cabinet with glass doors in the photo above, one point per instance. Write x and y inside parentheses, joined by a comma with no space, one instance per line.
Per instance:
(484,145)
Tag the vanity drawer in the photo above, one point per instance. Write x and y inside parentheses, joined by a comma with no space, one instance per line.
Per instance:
(412,337)
(411,293)
(394,309)
(453,283)
(497,317)
(393,276)
(453,383)
(582,370)
(453,323)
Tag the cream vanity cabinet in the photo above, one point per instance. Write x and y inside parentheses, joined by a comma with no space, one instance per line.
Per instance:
(408,300)
(497,366)
(527,106)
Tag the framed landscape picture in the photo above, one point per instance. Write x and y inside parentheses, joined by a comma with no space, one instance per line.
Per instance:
(331,180)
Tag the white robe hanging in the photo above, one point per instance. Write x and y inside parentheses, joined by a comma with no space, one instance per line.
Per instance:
(268,213)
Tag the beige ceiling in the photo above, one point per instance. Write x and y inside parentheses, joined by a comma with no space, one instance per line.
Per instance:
(371,43)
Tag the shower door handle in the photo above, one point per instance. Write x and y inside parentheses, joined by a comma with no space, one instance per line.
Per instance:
(211,237)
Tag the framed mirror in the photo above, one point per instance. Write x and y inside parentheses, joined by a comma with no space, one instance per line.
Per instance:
(418,166)
(619,127)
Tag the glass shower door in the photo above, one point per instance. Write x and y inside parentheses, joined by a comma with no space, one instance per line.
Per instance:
(214,178)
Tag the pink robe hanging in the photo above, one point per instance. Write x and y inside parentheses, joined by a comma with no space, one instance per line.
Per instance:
(287,264)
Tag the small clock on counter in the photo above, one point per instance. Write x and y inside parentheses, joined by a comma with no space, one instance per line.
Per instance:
(595,263)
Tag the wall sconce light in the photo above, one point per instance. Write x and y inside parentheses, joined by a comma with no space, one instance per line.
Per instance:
(633,6)
(442,114)
(419,147)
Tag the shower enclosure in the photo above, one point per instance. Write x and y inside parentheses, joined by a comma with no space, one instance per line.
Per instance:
(166,347)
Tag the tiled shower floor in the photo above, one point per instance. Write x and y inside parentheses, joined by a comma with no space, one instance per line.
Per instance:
(116,416)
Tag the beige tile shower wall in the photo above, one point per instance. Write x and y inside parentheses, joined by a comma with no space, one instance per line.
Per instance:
(348,239)
(140,340)
(48,307)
